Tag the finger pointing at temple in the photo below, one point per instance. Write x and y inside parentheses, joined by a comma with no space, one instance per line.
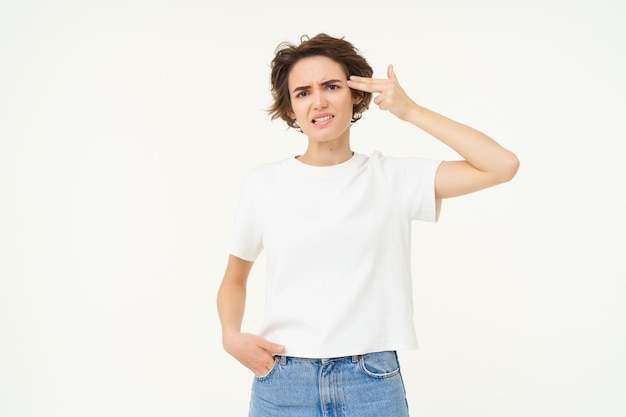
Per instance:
(390,95)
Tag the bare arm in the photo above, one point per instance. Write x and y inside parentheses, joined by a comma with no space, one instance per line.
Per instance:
(252,351)
(485,163)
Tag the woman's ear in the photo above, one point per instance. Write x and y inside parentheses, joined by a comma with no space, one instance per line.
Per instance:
(291,114)
(357,97)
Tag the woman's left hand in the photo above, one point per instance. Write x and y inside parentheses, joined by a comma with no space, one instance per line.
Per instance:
(391,96)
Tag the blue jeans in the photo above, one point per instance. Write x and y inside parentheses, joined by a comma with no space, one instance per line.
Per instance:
(367,385)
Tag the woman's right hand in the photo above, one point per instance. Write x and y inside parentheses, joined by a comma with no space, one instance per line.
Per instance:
(253,352)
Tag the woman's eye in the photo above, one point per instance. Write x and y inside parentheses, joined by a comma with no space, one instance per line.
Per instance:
(333,87)
(301,94)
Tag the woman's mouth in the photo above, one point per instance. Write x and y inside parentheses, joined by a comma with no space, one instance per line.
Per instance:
(323,119)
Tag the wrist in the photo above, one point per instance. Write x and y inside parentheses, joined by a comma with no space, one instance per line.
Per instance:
(228,337)
(414,114)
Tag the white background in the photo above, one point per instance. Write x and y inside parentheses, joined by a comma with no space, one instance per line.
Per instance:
(126,128)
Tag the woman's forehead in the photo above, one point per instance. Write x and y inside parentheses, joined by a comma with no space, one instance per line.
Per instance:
(316,69)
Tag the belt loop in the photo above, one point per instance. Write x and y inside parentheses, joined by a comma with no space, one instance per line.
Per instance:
(355,358)
(283,360)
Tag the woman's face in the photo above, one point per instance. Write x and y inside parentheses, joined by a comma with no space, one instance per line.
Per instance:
(321,100)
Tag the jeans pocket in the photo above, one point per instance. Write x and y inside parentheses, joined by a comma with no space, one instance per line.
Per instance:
(270,372)
(380,364)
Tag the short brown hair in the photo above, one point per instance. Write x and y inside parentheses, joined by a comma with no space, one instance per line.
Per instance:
(337,49)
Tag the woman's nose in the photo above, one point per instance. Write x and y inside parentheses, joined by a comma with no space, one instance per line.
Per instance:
(319,100)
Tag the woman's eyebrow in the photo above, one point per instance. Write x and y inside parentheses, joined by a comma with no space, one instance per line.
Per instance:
(325,83)
(304,87)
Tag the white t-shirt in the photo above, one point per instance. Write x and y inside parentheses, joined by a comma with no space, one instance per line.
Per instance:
(337,245)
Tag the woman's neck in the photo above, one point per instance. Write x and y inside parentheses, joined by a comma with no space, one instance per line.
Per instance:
(325,154)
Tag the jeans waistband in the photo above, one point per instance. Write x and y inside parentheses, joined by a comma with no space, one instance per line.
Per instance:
(283,359)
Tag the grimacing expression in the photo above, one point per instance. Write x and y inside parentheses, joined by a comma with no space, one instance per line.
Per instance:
(321,100)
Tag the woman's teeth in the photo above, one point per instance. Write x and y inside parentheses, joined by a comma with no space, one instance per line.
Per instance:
(322,119)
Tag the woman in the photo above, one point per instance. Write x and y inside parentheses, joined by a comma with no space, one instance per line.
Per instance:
(335,226)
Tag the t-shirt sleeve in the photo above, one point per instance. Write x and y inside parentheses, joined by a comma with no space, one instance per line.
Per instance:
(247,238)
(414,183)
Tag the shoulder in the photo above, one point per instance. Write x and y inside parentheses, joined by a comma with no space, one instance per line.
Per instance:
(265,176)
(400,163)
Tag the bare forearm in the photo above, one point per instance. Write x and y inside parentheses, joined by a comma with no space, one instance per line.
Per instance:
(231,301)
(478,149)
(252,351)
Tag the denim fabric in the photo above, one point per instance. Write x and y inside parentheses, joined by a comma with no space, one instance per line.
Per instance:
(367,385)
